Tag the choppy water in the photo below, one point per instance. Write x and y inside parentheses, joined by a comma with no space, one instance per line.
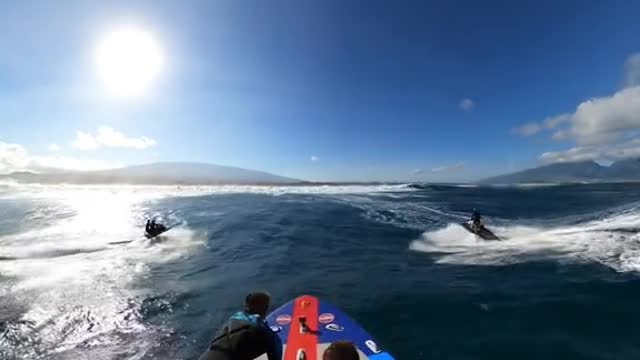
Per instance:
(78,281)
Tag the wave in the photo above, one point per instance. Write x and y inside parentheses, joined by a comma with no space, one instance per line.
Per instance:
(436,187)
(46,254)
(529,185)
(539,185)
(162,191)
(73,296)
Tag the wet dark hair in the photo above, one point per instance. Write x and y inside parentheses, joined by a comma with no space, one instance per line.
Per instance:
(341,350)
(257,303)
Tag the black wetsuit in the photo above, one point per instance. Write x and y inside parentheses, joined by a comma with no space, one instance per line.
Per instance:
(476,223)
(244,337)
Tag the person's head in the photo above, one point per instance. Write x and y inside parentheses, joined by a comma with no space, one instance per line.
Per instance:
(341,350)
(257,303)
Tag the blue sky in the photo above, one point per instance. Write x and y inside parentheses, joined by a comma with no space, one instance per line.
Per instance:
(327,90)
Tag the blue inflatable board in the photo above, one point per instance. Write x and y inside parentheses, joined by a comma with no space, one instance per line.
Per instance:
(307,326)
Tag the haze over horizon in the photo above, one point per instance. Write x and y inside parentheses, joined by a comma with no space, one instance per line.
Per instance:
(326,91)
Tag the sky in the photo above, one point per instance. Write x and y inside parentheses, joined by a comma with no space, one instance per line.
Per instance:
(320,90)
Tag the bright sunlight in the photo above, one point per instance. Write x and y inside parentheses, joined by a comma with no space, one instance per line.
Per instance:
(128,60)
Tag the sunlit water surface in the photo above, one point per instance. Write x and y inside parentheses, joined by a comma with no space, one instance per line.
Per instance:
(78,280)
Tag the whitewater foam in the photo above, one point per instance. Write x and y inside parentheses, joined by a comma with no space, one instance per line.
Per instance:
(63,271)
(607,241)
(161,191)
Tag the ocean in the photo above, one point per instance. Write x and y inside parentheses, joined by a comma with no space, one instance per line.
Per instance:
(79,281)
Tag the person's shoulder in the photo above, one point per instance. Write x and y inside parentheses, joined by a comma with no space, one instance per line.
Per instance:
(240,315)
(252,318)
(256,319)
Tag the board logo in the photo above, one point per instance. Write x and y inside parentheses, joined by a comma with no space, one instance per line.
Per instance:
(276,328)
(283,319)
(334,327)
(372,346)
(326,318)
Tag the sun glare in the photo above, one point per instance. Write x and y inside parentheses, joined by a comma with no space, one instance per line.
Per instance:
(128,60)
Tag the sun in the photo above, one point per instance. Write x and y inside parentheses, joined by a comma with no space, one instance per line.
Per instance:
(128,60)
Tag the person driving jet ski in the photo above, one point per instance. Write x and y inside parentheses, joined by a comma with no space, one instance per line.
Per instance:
(476,220)
(152,228)
(475,226)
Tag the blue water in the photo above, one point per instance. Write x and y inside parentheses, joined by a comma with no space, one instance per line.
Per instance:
(77,279)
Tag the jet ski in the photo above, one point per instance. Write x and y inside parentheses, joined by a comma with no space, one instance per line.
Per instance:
(161,229)
(482,231)
(152,229)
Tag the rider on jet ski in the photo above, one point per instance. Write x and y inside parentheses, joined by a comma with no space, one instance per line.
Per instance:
(476,221)
(153,229)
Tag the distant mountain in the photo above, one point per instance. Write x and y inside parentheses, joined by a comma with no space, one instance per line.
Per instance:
(585,171)
(629,168)
(168,173)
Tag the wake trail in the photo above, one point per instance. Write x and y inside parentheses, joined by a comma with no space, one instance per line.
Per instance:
(613,241)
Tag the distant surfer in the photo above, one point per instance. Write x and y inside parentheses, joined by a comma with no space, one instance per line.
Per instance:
(246,335)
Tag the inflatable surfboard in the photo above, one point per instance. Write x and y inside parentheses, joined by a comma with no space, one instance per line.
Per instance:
(307,326)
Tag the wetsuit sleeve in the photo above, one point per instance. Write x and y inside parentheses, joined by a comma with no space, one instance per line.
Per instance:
(275,351)
(274,344)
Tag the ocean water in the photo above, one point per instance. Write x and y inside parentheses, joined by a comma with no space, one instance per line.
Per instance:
(79,281)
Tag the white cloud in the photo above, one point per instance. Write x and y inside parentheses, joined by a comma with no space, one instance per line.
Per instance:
(610,152)
(632,70)
(560,135)
(598,120)
(109,137)
(84,141)
(549,123)
(54,147)
(528,129)
(14,157)
(314,158)
(605,119)
(449,168)
(553,122)
(466,104)
(572,155)
(605,128)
